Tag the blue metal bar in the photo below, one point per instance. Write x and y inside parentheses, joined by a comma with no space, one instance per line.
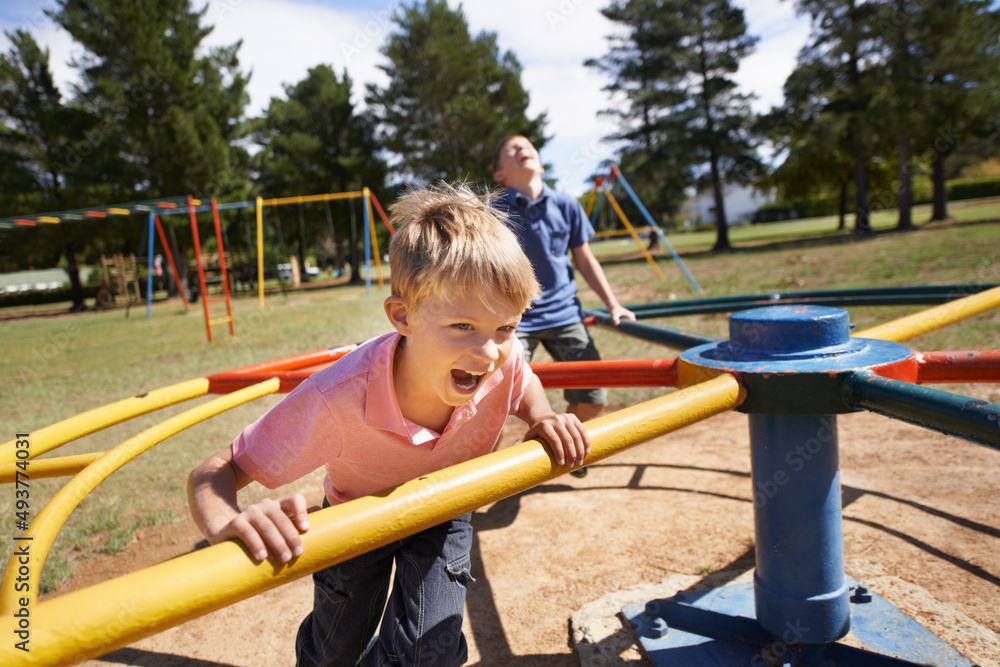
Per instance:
(597,208)
(368,251)
(663,237)
(960,416)
(797,519)
(672,338)
(208,207)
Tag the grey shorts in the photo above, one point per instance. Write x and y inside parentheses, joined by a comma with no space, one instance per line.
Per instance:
(567,343)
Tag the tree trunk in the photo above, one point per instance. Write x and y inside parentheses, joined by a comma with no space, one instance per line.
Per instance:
(862,222)
(842,207)
(74,278)
(304,275)
(905,186)
(722,226)
(940,192)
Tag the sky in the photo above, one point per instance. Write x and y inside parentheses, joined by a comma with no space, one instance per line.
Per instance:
(282,39)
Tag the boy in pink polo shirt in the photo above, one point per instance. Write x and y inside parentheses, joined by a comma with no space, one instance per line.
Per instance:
(433,393)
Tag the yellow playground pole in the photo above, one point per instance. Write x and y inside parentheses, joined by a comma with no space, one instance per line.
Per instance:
(77,426)
(932,319)
(42,532)
(93,621)
(635,237)
(55,467)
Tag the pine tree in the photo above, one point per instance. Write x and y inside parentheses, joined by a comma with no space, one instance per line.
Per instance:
(169,116)
(956,72)
(36,128)
(674,66)
(450,99)
(844,54)
(314,141)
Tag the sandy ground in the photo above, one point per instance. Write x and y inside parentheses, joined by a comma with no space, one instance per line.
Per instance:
(921,525)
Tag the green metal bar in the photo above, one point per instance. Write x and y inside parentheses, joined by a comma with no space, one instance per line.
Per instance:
(975,420)
(903,295)
(672,338)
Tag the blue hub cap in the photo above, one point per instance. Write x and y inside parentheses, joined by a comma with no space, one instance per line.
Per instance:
(792,359)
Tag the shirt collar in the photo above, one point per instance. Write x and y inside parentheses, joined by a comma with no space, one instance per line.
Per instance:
(381,408)
(526,206)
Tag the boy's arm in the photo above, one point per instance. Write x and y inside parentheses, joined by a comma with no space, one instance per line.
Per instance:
(591,270)
(567,438)
(267,525)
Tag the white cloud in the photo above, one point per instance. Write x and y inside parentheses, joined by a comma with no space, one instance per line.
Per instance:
(283,39)
(782,36)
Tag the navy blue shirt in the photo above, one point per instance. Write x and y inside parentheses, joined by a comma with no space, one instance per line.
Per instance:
(548,228)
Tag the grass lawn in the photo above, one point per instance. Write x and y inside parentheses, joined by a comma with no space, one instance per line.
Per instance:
(56,367)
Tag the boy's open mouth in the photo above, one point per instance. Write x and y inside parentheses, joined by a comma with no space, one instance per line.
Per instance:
(466,381)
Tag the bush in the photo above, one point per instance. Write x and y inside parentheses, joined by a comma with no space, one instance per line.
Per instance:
(973,188)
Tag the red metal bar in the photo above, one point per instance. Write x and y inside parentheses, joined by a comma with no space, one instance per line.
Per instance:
(170,259)
(295,361)
(628,373)
(222,265)
(289,370)
(201,269)
(385,219)
(95,214)
(226,383)
(959,366)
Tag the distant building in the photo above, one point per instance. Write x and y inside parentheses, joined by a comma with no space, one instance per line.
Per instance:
(741,203)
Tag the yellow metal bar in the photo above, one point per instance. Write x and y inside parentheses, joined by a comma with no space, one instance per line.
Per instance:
(139,604)
(932,319)
(591,198)
(311,198)
(635,237)
(77,426)
(55,467)
(611,233)
(219,320)
(42,532)
(371,231)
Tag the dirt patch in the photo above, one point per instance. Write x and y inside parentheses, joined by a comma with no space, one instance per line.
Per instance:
(919,508)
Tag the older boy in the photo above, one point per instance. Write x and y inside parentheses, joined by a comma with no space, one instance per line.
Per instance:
(433,393)
(550,226)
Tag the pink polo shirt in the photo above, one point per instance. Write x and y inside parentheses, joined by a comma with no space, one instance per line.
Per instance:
(345,418)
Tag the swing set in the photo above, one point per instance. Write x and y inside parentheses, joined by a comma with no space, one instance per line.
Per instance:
(190,206)
(602,191)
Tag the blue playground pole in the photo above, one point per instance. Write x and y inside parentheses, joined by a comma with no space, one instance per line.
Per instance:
(659,232)
(368,251)
(800,367)
(597,208)
(799,542)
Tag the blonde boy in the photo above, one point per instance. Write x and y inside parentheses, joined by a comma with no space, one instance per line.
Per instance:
(432,393)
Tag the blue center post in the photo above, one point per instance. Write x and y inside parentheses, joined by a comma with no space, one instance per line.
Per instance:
(794,362)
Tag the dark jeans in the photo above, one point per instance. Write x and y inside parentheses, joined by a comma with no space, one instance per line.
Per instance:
(422,623)
(567,343)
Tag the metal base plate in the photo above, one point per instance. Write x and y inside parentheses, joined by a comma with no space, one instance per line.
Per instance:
(717,628)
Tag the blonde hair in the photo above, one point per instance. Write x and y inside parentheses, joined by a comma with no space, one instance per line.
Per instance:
(450,241)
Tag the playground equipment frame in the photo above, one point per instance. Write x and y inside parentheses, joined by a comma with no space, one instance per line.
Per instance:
(125,609)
